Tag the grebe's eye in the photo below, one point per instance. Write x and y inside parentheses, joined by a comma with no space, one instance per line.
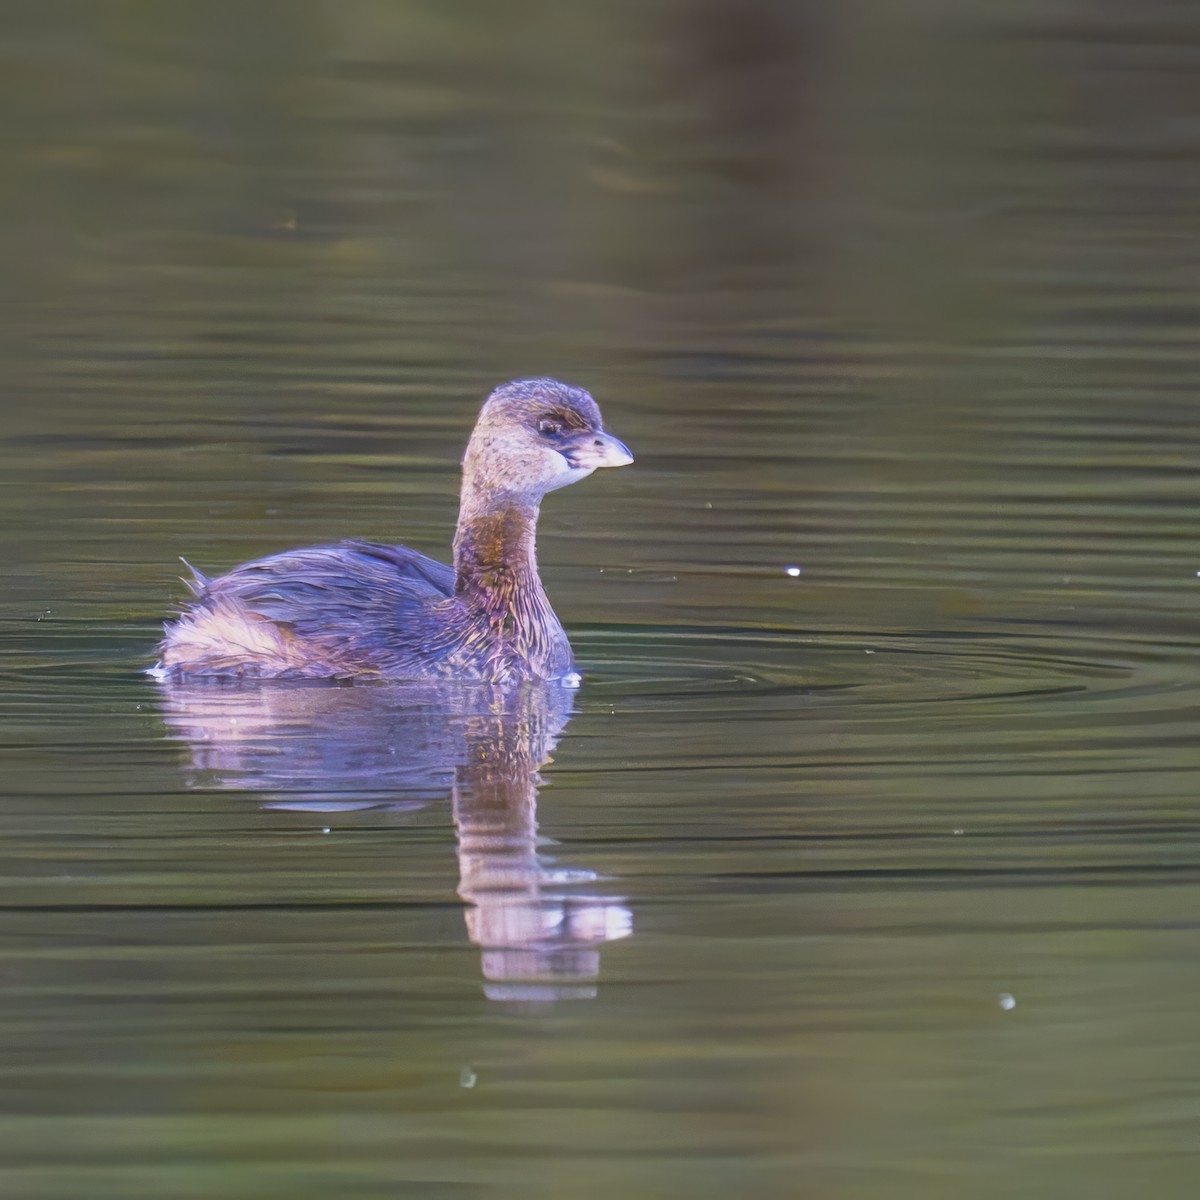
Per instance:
(549,426)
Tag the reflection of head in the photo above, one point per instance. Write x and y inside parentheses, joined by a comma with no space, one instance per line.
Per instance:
(334,749)
(545,948)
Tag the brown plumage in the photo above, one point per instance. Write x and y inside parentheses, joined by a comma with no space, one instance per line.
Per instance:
(359,610)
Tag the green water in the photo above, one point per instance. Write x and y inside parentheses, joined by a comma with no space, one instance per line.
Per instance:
(879,880)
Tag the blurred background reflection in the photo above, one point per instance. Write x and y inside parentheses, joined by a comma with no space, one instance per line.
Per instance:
(888,638)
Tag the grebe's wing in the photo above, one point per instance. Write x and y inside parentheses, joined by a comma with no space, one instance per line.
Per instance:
(409,563)
(350,609)
(323,590)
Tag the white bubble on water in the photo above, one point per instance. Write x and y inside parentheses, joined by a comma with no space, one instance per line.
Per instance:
(1007,1001)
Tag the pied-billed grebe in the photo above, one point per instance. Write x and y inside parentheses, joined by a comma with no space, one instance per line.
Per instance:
(362,610)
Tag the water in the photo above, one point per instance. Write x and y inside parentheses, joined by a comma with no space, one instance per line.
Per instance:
(875,880)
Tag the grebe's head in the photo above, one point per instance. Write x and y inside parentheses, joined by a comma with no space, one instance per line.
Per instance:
(535,435)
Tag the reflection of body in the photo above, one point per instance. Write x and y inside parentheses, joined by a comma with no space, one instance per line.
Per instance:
(362,610)
(333,748)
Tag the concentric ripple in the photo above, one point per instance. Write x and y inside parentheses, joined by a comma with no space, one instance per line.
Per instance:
(698,666)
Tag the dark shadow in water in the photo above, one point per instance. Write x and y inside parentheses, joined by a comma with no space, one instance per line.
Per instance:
(329,749)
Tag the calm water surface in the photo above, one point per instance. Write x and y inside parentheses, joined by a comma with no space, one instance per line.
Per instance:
(879,879)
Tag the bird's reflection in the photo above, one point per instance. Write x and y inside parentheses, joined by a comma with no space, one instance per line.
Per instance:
(334,749)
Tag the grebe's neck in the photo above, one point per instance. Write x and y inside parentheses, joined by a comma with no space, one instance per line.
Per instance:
(508,618)
(495,555)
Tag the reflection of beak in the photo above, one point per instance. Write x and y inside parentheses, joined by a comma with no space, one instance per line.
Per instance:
(591,450)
